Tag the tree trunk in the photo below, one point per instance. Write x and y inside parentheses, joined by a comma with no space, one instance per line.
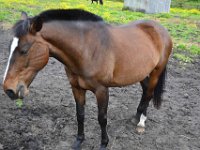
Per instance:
(148,6)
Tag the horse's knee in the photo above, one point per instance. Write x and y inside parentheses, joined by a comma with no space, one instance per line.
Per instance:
(102,119)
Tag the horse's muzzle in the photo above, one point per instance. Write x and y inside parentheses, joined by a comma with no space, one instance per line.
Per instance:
(21,91)
(11,94)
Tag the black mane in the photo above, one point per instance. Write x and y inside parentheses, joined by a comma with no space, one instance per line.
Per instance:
(22,26)
(69,14)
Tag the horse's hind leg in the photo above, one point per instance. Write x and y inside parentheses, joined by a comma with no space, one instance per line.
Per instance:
(152,88)
(142,108)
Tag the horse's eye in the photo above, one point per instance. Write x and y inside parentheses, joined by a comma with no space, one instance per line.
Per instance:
(24,49)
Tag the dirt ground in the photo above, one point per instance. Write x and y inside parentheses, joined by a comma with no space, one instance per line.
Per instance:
(47,119)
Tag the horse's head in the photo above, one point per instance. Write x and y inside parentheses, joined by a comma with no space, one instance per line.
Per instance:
(28,54)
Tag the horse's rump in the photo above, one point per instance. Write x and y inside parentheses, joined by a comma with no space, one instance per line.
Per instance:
(137,48)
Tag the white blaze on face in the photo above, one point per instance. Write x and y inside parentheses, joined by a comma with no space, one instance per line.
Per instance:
(12,49)
(142,121)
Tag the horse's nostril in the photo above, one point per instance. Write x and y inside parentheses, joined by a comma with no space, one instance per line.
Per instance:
(11,94)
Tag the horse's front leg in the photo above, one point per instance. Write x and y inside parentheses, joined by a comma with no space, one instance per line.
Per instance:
(79,96)
(102,95)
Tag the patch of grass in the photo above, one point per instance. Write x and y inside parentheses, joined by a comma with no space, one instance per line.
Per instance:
(19,103)
(163,15)
(185,13)
(187,4)
(183,24)
(181,46)
(186,53)
(184,32)
(190,49)
(183,57)
(195,50)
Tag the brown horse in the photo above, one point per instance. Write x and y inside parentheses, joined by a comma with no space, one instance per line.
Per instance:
(96,56)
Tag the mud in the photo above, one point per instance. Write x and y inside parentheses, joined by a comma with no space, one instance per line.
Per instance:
(47,120)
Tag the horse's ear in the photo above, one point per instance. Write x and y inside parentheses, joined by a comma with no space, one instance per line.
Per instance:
(35,24)
(24,15)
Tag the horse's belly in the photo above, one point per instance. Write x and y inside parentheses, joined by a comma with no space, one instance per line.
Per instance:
(130,77)
(134,67)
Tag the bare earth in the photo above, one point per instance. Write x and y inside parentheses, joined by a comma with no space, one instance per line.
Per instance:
(47,120)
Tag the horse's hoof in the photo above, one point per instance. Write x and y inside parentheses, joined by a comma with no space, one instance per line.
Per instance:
(140,129)
(77,145)
(103,147)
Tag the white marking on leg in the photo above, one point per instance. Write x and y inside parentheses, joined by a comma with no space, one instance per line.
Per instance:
(12,49)
(19,94)
(142,121)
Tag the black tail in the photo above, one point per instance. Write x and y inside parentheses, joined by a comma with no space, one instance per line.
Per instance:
(159,89)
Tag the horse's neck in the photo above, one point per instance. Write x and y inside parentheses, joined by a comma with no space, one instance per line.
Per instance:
(64,42)
(74,44)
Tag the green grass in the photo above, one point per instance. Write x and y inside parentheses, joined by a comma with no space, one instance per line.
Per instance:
(19,103)
(183,24)
(188,4)
(183,57)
